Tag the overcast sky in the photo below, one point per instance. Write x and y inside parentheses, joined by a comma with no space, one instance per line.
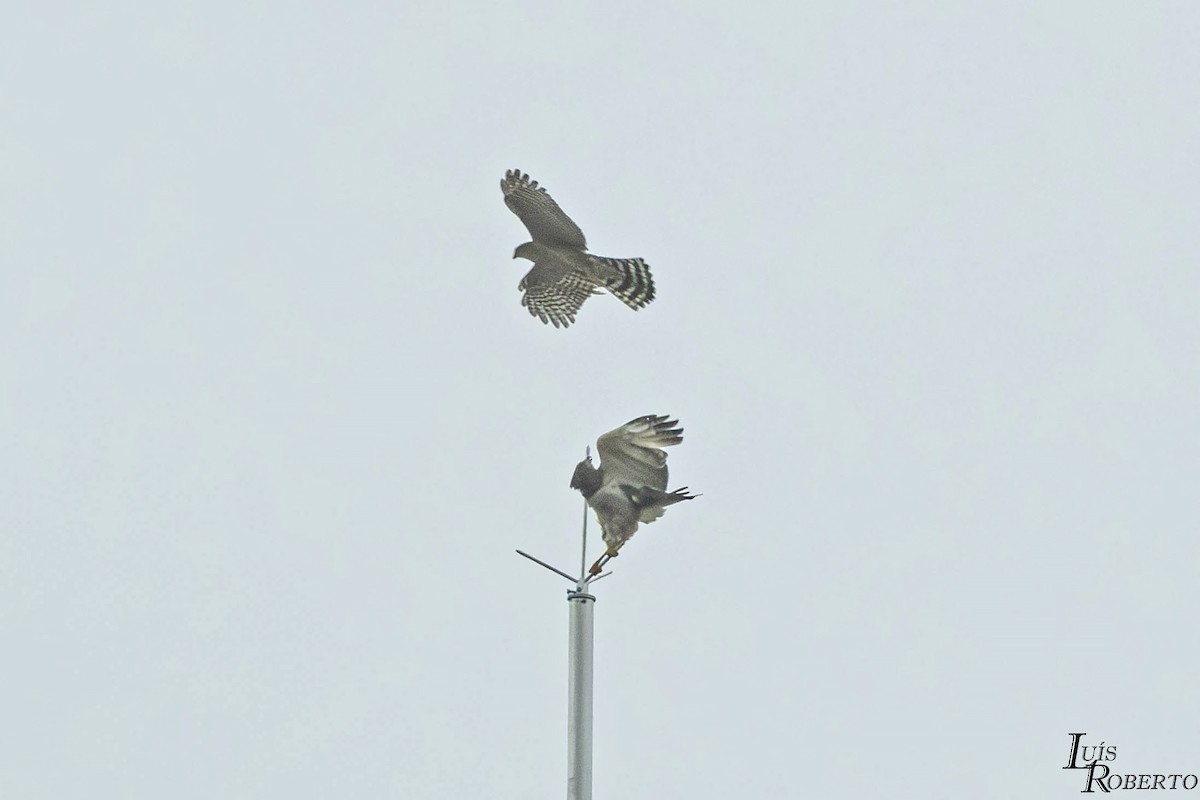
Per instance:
(273,420)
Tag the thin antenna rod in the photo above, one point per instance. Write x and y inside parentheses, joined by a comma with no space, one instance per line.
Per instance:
(571,578)
(583,556)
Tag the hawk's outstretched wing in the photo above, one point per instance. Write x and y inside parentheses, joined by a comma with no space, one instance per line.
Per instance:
(546,222)
(633,455)
(556,302)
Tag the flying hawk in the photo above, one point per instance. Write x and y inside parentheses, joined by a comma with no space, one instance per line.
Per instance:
(564,274)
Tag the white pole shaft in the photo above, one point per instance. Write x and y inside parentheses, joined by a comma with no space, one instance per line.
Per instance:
(579,697)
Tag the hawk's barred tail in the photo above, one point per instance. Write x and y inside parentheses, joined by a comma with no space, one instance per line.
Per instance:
(632,283)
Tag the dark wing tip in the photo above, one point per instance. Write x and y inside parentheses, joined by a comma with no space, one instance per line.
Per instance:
(515,178)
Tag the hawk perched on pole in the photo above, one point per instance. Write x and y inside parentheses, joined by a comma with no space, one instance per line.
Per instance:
(564,274)
(631,484)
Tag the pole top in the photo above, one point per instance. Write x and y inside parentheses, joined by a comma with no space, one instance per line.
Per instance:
(581,583)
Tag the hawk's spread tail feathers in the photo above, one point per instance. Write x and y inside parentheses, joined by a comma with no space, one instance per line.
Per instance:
(652,503)
(628,279)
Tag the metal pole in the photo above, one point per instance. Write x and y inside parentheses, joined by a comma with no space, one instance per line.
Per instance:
(579,672)
(579,696)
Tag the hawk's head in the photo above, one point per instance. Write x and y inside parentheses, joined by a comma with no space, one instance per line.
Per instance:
(528,250)
(586,477)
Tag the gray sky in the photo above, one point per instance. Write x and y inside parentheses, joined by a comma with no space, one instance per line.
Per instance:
(273,418)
